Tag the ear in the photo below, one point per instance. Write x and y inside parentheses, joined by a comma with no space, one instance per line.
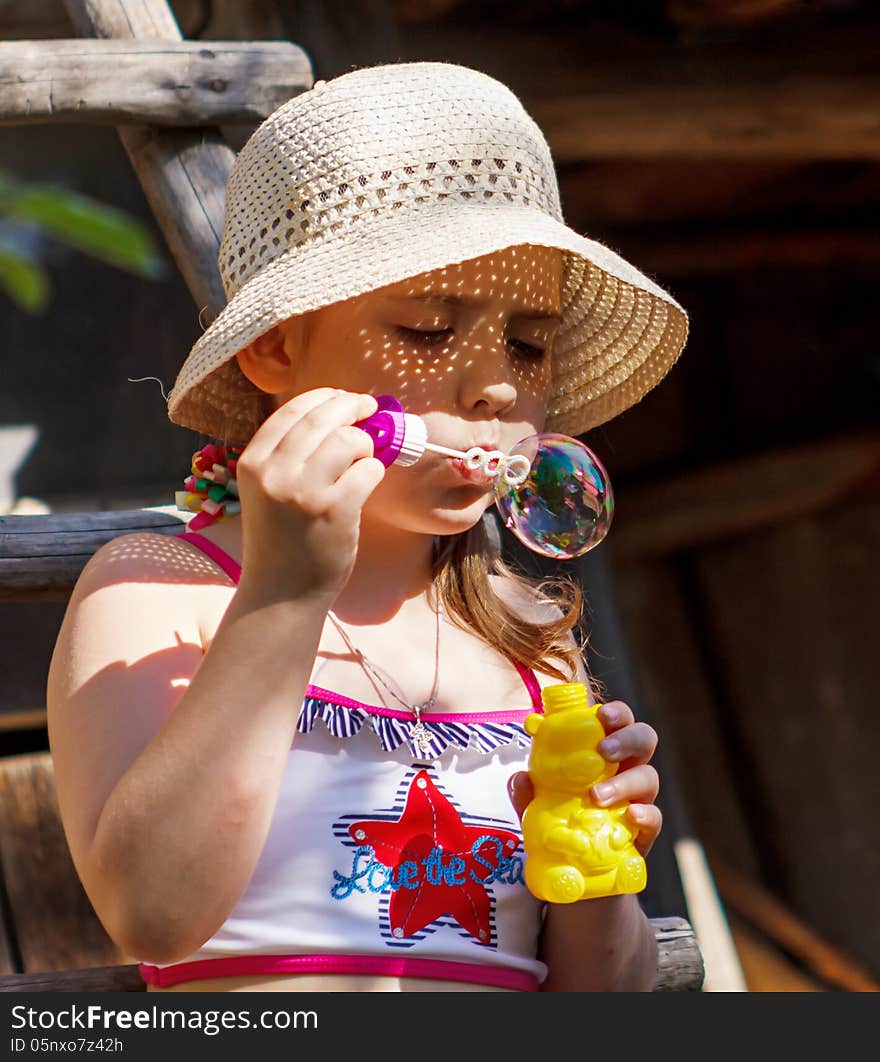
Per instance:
(270,360)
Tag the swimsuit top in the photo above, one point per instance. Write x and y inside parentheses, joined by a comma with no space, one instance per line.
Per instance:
(382,860)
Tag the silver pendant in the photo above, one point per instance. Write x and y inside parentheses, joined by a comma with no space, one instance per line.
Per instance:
(421,740)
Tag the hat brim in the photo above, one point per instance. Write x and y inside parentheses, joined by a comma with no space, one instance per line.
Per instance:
(620,332)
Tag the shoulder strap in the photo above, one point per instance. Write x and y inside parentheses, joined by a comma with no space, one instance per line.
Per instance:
(532,685)
(218,555)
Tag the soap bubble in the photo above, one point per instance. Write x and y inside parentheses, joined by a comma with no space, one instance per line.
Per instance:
(565,505)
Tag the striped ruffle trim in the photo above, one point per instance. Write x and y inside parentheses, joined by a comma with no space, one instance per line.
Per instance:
(344,722)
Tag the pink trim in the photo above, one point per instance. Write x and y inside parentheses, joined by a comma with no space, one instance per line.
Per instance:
(218,555)
(505,715)
(233,570)
(386,966)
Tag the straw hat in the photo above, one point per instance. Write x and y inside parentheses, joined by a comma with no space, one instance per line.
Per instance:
(390,171)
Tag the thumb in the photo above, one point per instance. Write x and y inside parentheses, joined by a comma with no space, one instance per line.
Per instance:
(520,791)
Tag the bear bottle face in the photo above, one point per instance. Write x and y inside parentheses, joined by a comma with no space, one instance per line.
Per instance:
(564,755)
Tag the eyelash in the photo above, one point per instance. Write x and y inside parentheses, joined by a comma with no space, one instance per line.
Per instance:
(433,338)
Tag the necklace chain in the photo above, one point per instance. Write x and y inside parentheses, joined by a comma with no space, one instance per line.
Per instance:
(420,733)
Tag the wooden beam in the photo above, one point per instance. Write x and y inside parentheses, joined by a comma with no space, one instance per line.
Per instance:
(598,93)
(779,924)
(723,249)
(178,83)
(54,923)
(26,719)
(722,501)
(41,557)
(90,979)
(182,172)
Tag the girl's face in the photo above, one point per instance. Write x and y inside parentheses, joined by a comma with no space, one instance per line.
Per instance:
(468,347)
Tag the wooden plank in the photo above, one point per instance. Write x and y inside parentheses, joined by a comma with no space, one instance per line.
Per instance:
(780,925)
(722,249)
(816,98)
(679,962)
(665,640)
(673,514)
(43,556)
(175,83)
(790,627)
(183,173)
(29,719)
(679,968)
(673,196)
(56,927)
(765,967)
(724,971)
(94,979)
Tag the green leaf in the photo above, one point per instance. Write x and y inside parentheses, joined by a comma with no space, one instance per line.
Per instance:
(101,231)
(24,281)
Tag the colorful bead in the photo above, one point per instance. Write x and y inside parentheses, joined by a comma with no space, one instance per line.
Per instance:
(211,491)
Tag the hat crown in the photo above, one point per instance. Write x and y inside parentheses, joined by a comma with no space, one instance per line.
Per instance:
(338,159)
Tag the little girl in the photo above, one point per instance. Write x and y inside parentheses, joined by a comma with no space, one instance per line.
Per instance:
(288,747)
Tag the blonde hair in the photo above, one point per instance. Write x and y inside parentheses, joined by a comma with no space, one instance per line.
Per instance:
(464,566)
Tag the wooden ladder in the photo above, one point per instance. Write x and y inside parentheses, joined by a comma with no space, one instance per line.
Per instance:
(167,106)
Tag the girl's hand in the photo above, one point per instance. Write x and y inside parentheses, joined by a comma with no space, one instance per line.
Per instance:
(303,480)
(631,745)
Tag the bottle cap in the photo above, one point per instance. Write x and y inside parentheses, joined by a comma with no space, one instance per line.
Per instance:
(398,437)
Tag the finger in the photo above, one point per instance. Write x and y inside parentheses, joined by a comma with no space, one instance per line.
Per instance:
(350,492)
(520,791)
(648,820)
(307,434)
(615,714)
(267,436)
(639,785)
(338,452)
(632,745)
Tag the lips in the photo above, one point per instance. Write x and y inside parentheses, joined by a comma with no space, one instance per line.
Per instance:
(472,475)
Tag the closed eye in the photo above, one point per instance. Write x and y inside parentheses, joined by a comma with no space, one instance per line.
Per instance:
(415,335)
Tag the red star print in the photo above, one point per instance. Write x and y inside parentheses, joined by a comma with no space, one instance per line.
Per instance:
(444,885)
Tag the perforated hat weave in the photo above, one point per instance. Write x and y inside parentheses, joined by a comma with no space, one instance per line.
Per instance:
(390,171)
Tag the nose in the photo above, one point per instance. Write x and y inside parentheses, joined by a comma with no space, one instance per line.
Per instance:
(487,382)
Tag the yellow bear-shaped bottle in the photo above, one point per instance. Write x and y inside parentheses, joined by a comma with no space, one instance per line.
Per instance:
(574,849)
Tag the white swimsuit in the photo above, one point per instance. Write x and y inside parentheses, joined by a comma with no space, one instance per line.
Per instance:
(380,860)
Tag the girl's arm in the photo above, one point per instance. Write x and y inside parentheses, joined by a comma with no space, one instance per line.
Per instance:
(604,944)
(599,945)
(168,762)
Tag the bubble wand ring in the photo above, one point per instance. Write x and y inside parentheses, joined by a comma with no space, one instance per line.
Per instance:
(514,468)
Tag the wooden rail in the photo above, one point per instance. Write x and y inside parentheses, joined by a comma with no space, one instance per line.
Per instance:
(679,968)
(729,499)
(168,83)
(41,557)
